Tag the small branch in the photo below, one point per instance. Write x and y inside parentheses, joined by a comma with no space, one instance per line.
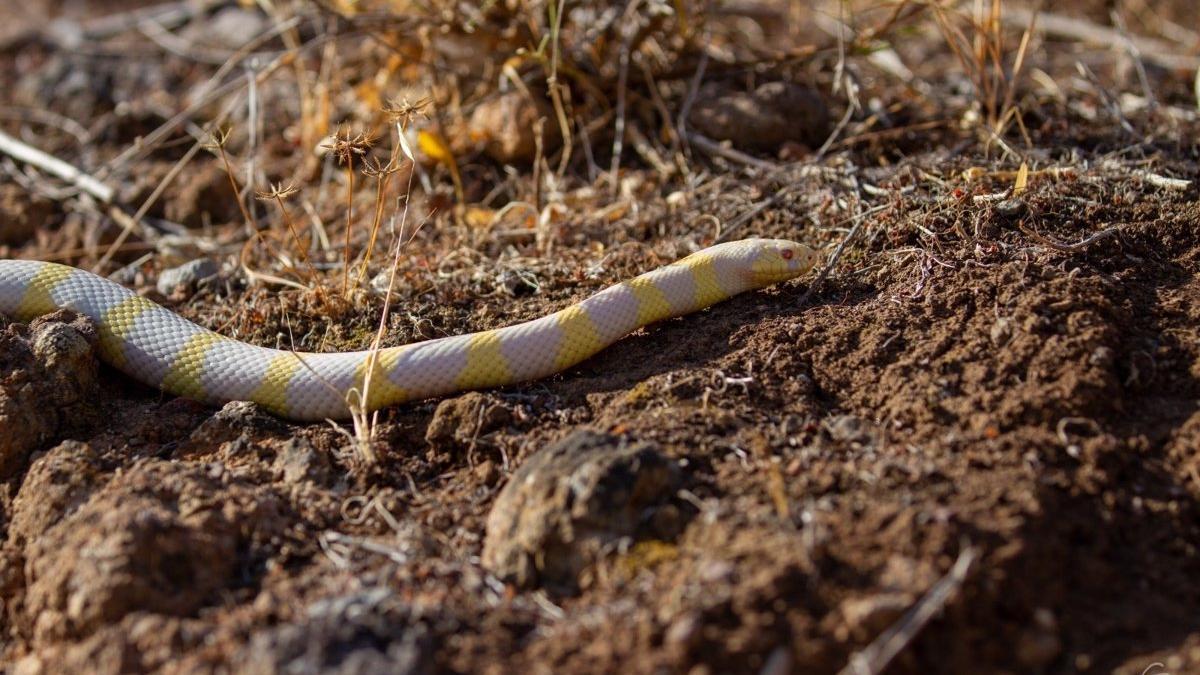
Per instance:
(55,166)
(1136,56)
(1163,53)
(1067,248)
(876,657)
(1165,182)
(711,147)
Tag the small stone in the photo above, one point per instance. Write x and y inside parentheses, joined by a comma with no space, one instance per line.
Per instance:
(1012,208)
(683,635)
(1001,332)
(486,472)
(187,276)
(569,503)
(299,461)
(778,663)
(235,421)
(460,419)
(370,631)
(231,28)
(1101,357)
(506,126)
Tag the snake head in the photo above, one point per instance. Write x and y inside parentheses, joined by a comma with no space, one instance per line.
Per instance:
(775,260)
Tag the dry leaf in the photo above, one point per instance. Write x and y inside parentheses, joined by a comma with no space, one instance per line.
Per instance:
(1022,181)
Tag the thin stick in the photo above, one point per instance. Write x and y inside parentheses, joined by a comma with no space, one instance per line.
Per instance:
(55,166)
(1136,56)
(619,124)
(712,147)
(145,207)
(837,253)
(692,90)
(875,658)
(1067,248)
(1159,51)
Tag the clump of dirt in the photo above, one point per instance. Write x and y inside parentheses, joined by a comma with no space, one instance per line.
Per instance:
(48,384)
(570,502)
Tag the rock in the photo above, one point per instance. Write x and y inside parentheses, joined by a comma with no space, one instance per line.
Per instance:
(235,420)
(460,419)
(367,632)
(186,277)
(569,503)
(48,383)
(773,115)
(299,461)
(506,127)
(1012,208)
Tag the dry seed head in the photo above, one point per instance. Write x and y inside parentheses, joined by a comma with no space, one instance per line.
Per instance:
(278,191)
(374,168)
(402,111)
(347,147)
(217,139)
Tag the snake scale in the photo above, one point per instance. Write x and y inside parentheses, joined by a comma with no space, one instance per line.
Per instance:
(160,348)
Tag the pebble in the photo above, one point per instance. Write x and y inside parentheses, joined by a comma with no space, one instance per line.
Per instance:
(186,276)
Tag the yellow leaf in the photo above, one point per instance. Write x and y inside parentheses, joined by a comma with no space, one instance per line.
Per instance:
(1022,181)
(435,148)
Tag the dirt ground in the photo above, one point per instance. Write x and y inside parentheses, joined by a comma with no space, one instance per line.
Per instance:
(971,443)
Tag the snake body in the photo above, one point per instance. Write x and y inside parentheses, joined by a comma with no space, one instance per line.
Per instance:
(158,347)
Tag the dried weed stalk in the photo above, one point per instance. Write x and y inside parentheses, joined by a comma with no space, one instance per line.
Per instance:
(977,41)
(277,194)
(217,142)
(347,149)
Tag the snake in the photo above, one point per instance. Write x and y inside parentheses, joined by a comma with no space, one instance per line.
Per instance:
(162,349)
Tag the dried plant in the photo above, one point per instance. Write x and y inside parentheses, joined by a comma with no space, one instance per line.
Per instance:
(348,149)
(217,141)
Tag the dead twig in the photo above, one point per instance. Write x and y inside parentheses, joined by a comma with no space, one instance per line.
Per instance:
(1161,52)
(55,166)
(877,655)
(711,147)
(1136,56)
(1067,248)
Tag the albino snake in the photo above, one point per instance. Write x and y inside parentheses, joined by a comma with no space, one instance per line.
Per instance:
(160,348)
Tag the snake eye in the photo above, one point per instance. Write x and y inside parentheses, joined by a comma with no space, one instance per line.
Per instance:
(787,253)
